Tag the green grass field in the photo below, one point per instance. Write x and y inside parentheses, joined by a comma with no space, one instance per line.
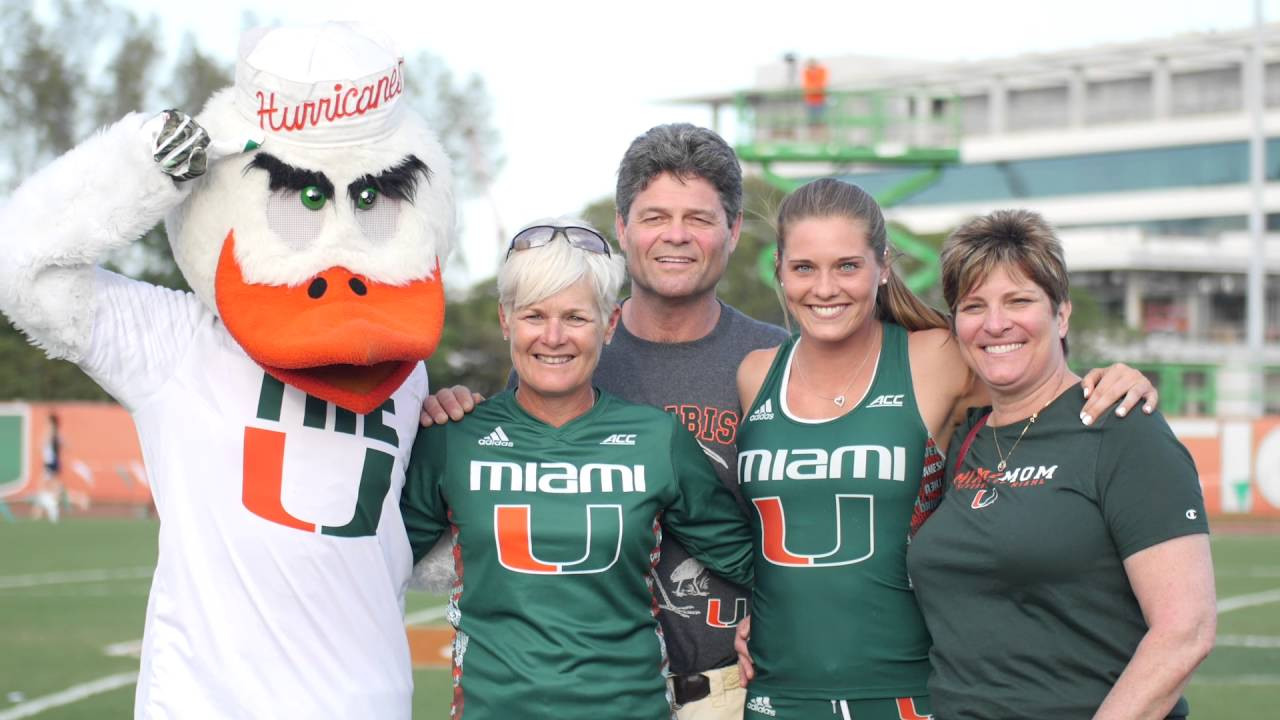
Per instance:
(71,593)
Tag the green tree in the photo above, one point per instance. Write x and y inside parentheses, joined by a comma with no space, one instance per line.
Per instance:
(461,114)
(472,351)
(744,285)
(26,374)
(49,99)
(196,75)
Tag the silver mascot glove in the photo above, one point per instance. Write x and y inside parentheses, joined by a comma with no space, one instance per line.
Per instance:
(181,146)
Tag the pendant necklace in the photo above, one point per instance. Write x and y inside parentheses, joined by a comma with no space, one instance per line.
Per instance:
(1004,459)
(840,399)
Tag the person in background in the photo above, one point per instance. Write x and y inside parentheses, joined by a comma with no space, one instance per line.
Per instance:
(1067,572)
(838,445)
(552,492)
(815,96)
(47,502)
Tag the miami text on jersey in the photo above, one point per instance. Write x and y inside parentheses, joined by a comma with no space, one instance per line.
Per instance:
(819,464)
(556,477)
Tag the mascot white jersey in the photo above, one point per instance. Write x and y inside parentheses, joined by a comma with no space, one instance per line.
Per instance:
(310,211)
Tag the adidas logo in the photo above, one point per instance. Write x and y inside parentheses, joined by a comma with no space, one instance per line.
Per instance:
(497,437)
(886,401)
(762,705)
(764,412)
(619,439)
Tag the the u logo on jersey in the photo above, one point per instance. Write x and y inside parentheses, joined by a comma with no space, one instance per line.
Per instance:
(263,473)
(513,530)
(854,539)
(715,612)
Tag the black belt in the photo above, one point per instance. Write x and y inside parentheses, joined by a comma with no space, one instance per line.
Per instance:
(690,688)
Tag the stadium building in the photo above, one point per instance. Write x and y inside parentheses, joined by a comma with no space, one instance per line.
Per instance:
(1137,152)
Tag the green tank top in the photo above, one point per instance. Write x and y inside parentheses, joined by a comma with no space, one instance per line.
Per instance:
(833,612)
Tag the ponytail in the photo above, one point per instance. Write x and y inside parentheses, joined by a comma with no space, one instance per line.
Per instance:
(896,303)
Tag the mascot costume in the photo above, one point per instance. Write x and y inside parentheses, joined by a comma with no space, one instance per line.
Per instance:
(277,403)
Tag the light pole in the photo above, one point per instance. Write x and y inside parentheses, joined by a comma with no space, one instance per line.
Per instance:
(1255,297)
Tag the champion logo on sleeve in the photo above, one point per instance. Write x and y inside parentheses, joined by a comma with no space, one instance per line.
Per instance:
(496,437)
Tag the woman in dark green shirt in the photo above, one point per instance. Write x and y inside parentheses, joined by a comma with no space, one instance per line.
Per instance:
(1066,573)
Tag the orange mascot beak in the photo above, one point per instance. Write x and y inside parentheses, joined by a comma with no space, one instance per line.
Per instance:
(337,336)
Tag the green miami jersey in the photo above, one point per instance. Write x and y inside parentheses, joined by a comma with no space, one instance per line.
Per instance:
(833,613)
(557,533)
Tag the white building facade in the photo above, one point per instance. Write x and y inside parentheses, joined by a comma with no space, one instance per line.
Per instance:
(1138,153)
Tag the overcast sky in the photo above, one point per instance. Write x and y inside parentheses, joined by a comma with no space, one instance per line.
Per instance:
(573,82)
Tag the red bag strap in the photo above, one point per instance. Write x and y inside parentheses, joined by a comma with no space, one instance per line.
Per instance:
(968,440)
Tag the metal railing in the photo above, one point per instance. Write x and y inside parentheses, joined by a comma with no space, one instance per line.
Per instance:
(886,127)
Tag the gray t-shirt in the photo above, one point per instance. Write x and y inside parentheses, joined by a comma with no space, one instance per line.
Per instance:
(697,382)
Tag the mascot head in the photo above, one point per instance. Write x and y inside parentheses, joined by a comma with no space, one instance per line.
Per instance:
(321,247)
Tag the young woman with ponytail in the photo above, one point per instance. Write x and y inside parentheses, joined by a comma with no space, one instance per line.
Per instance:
(840,455)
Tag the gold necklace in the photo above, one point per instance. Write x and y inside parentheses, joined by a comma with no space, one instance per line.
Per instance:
(1004,459)
(839,400)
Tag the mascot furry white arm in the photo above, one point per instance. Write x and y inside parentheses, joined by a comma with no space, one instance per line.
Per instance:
(276,406)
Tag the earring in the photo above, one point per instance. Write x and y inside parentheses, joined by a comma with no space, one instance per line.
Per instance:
(884,281)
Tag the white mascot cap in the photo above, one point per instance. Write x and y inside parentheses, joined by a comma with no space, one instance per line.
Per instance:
(327,85)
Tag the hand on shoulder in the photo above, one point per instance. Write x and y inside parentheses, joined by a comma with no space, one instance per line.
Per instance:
(449,404)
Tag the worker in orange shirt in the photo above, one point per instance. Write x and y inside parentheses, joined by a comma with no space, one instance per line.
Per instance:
(815,93)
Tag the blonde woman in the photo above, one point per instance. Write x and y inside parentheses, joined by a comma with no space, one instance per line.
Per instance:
(553,493)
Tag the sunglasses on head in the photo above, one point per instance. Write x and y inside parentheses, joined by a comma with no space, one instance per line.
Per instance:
(579,237)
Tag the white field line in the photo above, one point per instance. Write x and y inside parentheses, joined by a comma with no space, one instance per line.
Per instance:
(425,616)
(128,648)
(9,582)
(1238,602)
(1248,641)
(75,693)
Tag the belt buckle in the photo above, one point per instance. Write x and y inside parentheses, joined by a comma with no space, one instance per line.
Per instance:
(690,688)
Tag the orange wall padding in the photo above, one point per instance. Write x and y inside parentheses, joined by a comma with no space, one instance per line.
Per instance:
(101,458)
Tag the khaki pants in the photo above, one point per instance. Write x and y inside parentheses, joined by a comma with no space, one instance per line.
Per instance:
(725,702)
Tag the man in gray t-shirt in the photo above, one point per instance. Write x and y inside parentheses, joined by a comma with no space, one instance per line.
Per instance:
(694,380)
(679,201)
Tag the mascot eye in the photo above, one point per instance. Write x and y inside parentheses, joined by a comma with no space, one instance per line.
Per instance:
(367,198)
(312,197)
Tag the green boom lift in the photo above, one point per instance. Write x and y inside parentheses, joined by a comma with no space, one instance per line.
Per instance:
(858,131)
